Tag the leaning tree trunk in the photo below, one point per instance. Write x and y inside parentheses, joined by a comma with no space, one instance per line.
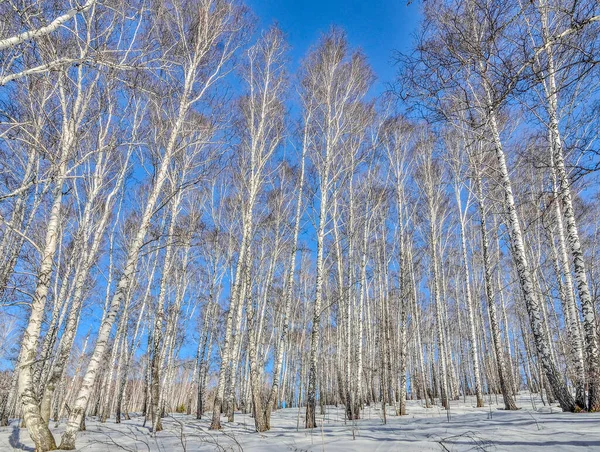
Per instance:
(570,312)
(525,278)
(509,403)
(38,429)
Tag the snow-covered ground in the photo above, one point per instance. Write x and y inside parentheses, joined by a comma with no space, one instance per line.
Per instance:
(464,428)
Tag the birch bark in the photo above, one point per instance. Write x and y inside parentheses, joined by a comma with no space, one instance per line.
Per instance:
(592,353)
(509,403)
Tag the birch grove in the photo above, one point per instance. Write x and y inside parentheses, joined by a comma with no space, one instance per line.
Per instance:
(191,221)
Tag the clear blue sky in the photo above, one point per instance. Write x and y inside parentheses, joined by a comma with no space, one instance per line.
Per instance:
(378,27)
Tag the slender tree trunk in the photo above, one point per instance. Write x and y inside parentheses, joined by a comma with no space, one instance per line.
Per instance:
(509,403)
(311,394)
(257,406)
(417,326)
(469,300)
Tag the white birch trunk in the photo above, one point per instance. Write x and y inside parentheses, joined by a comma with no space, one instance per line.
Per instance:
(564,189)
(37,427)
(469,298)
(525,278)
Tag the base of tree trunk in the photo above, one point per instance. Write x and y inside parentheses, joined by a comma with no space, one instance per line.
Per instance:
(593,398)
(310,420)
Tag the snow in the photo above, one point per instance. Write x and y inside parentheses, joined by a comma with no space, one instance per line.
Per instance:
(534,427)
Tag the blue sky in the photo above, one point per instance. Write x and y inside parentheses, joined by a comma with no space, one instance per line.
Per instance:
(378,27)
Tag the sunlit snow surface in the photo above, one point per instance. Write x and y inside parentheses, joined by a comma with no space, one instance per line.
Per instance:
(467,428)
